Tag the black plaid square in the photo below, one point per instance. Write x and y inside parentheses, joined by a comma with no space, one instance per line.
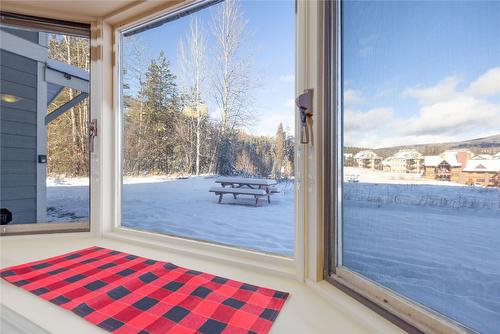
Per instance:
(170,266)
(280,295)
(145,303)
(83,310)
(234,303)
(111,324)
(126,272)
(148,277)
(212,327)
(131,257)
(107,265)
(40,291)
(176,314)
(59,300)
(75,278)
(118,293)
(41,265)
(8,273)
(193,272)
(21,282)
(150,262)
(248,287)
(95,285)
(219,280)
(173,286)
(201,292)
(269,314)
(73,256)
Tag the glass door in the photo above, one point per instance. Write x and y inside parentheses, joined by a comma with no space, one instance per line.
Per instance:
(45,160)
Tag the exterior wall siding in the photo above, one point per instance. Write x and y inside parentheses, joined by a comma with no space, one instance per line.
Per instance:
(18,77)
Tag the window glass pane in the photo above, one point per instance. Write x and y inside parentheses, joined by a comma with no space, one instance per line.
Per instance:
(421,153)
(208,125)
(44,117)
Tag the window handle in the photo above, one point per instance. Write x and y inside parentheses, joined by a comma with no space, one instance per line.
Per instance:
(92,134)
(304,103)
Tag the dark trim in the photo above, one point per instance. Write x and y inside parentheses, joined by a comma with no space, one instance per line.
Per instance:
(36,23)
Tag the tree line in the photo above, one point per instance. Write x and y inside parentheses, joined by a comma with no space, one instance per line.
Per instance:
(167,127)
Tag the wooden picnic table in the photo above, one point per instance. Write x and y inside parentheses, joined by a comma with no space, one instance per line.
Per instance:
(245,186)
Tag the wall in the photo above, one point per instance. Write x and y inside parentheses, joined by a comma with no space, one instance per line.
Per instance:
(18,137)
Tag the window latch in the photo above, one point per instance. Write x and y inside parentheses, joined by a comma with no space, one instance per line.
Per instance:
(92,134)
(304,103)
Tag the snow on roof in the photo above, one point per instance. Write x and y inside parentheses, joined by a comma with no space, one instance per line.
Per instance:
(486,165)
(407,154)
(449,157)
(482,157)
(366,155)
(497,156)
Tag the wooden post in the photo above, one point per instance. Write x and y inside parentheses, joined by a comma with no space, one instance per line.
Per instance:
(220,198)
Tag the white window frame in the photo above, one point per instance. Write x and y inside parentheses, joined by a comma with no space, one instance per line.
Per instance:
(290,267)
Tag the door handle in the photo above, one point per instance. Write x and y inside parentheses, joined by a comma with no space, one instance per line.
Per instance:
(304,103)
(92,134)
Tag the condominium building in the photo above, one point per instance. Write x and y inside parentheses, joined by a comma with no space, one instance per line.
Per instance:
(482,172)
(404,161)
(368,159)
(447,166)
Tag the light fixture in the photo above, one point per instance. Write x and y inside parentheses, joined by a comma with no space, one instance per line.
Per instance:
(9,98)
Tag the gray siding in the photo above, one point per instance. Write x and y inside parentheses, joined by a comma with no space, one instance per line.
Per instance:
(18,76)
(31,36)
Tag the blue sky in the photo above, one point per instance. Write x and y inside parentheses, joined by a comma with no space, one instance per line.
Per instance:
(417,72)
(413,71)
(269,43)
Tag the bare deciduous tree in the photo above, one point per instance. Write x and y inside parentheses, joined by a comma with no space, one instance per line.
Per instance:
(231,78)
(192,63)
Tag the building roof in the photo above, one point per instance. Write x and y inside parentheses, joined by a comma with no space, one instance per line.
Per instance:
(482,157)
(406,154)
(497,156)
(449,157)
(366,155)
(486,165)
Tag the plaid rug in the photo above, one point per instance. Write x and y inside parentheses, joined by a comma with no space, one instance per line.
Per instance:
(124,293)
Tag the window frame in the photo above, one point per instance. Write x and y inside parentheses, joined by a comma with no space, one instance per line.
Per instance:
(400,310)
(48,25)
(292,267)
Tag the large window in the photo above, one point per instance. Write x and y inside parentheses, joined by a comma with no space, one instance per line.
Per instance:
(207,107)
(415,162)
(45,160)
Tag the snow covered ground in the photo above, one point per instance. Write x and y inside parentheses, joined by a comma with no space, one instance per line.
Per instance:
(435,242)
(186,208)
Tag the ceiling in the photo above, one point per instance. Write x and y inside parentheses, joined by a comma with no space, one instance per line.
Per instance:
(71,8)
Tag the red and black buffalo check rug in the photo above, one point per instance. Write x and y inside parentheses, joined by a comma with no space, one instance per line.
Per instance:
(124,293)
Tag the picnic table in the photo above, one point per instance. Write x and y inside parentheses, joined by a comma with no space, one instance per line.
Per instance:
(245,186)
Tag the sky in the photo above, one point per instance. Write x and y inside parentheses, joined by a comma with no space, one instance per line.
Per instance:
(269,44)
(420,72)
(413,71)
